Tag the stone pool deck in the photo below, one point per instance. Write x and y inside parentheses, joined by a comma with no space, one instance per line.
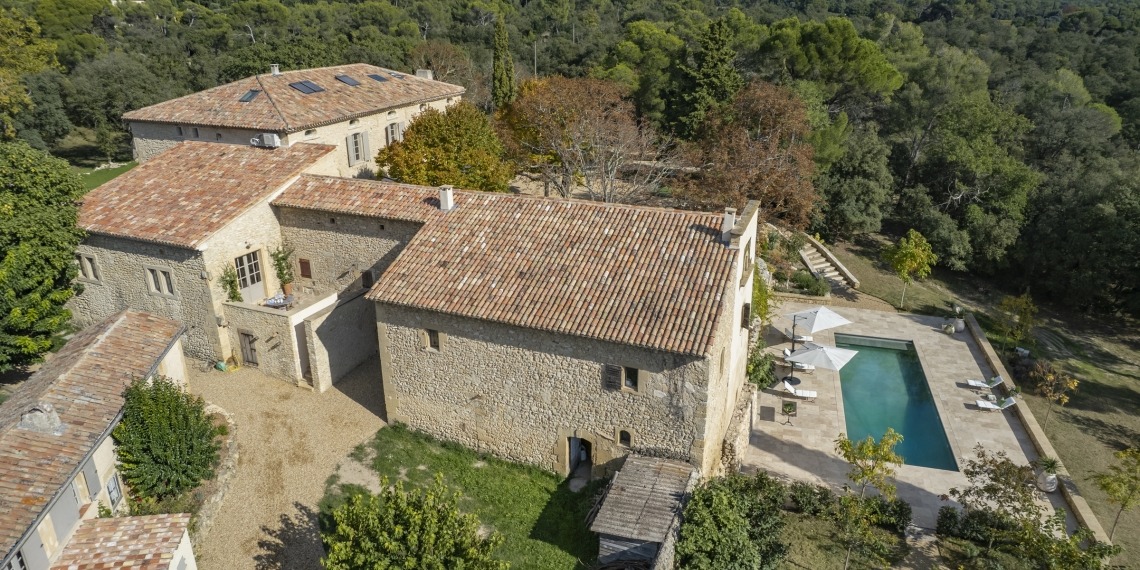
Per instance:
(805,449)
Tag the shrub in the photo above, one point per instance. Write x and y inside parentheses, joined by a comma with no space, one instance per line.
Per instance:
(891,514)
(761,367)
(813,500)
(399,528)
(734,522)
(948,521)
(810,284)
(166,442)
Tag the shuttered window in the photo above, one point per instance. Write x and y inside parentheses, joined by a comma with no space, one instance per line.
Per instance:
(357,145)
(306,268)
(611,376)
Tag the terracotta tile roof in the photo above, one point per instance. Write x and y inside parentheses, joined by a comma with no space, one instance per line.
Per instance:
(139,543)
(647,277)
(643,498)
(281,108)
(184,195)
(84,382)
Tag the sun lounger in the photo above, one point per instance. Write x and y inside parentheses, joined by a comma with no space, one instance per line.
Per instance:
(798,338)
(797,365)
(808,395)
(986,385)
(992,407)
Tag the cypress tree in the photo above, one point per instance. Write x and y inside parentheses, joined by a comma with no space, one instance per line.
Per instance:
(712,79)
(503,75)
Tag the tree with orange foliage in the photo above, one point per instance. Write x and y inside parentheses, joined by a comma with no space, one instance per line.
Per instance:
(584,133)
(756,148)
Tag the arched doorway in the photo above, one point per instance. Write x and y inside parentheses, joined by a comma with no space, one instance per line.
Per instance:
(580,458)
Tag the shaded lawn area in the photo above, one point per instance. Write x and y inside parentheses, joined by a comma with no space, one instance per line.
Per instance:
(544,524)
(811,544)
(1103,352)
(94,178)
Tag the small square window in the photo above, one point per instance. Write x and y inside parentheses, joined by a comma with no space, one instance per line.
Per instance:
(630,378)
(196,133)
(181,132)
(88,268)
(114,491)
(306,268)
(160,281)
(433,339)
(624,438)
(218,137)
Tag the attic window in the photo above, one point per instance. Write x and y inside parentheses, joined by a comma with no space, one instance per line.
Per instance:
(306,87)
(378,77)
(250,95)
(347,80)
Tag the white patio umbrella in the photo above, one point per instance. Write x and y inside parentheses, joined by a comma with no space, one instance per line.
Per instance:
(829,357)
(815,320)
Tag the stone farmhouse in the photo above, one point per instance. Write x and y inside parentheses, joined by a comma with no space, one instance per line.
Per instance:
(560,333)
(359,108)
(57,459)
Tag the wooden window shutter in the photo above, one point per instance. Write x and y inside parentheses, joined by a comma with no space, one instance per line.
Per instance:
(611,376)
(306,268)
(746,315)
(351,150)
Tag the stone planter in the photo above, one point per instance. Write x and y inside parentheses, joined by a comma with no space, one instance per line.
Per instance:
(959,325)
(1047,482)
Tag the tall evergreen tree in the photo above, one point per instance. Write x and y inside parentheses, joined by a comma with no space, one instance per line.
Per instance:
(710,81)
(38,236)
(503,75)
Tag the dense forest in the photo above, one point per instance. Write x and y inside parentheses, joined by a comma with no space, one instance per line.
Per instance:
(1007,132)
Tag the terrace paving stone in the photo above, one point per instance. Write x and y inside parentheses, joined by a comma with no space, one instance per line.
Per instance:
(806,450)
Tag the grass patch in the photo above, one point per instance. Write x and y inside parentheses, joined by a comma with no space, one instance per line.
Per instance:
(811,544)
(542,521)
(94,178)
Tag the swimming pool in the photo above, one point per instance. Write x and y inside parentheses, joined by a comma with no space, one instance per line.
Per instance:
(884,386)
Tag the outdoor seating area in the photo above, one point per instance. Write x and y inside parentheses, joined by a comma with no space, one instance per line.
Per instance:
(989,406)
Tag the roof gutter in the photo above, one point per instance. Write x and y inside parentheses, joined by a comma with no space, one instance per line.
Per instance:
(86,457)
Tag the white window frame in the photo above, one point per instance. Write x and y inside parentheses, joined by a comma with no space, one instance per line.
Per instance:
(248,269)
(394,132)
(88,268)
(356,148)
(17,562)
(160,281)
(114,487)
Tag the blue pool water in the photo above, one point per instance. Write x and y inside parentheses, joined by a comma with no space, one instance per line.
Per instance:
(884,386)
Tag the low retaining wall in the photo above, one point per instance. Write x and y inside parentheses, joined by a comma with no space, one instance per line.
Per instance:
(223,477)
(1080,507)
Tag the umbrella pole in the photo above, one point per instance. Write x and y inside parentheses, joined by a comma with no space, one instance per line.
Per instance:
(794,319)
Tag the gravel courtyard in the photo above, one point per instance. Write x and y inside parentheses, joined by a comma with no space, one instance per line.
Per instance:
(289,441)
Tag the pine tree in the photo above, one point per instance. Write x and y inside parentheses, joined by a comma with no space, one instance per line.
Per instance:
(503,77)
(712,80)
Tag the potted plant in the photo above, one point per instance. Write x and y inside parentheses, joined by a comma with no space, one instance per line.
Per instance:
(283,266)
(229,282)
(1047,477)
(959,318)
(789,410)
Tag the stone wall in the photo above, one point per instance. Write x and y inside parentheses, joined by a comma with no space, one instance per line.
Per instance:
(340,246)
(667,553)
(521,393)
(339,339)
(151,139)
(276,343)
(123,284)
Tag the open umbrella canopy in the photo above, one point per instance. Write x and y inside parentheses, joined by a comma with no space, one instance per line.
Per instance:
(829,357)
(817,319)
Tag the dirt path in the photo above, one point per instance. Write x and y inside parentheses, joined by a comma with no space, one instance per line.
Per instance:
(290,440)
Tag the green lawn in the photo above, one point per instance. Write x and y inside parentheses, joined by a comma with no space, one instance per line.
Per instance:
(1103,352)
(811,544)
(542,521)
(94,178)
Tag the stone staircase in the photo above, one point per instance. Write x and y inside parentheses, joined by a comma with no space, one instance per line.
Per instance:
(820,265)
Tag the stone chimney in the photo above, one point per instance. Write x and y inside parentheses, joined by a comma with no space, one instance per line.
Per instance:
(425,74)
(41,418)
(275,69)
(727,225)
(446,198)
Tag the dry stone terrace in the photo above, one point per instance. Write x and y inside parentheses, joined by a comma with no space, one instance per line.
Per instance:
(805,450)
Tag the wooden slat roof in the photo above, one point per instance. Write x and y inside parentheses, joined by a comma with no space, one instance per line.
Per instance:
(643,498)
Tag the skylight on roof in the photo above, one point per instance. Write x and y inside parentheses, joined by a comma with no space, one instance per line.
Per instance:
(306,87)
(347,80)
(378,77)
(397,75)
(250,95)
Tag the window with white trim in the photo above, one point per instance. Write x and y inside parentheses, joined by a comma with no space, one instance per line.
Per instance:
(88,268)
(394,132)
(114,491)
(357,148)
(17,563)
(160,281)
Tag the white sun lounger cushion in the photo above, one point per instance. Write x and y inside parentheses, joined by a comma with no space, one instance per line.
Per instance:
(806,394)
(801,338)
(992,407)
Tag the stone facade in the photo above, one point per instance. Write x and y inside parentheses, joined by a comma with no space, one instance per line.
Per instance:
(339,339)
(341,246)
(149,139)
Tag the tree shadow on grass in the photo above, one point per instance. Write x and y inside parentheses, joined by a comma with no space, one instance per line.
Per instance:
(294,544)
(562,522)
(1116,436)
(1101,398)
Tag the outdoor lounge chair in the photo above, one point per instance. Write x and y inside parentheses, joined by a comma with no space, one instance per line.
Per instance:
(808,395)
(992,407)
(797,365)
(986,385)
(798,338)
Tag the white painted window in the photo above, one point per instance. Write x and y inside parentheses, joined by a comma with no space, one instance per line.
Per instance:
(249,276)
(114,491)
(160,281)
(395,132)
(88,268)
(357,144)
(17,563)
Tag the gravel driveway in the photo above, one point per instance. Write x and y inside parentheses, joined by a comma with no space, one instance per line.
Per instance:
(289,441)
